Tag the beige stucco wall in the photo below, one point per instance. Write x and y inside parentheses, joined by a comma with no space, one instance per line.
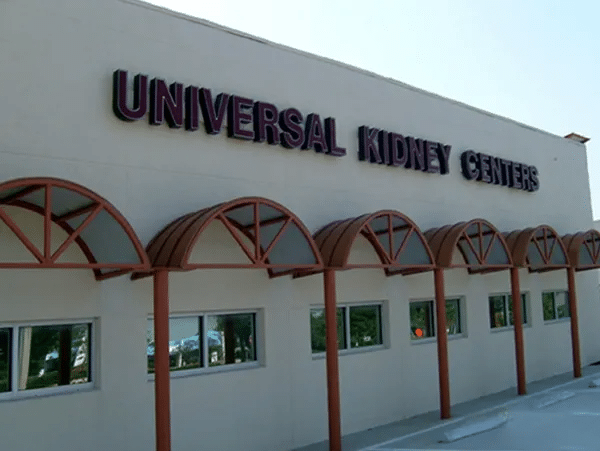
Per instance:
(56,120)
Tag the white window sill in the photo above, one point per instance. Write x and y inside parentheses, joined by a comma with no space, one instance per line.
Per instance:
(47,392)
(210,370)
(351,351)
(507,328)
(419,341)
(559,320)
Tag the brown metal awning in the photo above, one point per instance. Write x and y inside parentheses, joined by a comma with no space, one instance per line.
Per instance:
(399,244)
(539,249)
(103,235)
(583,249)
(482,247)
(271,237)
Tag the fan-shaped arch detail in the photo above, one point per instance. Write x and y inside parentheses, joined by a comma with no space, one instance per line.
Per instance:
(538,248)
(270,236)
(583,249)
(106,239)
(396,239)
(480,244)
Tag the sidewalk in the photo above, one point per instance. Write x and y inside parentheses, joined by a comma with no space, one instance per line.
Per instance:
(423,431)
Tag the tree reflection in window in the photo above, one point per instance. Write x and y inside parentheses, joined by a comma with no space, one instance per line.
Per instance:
(231,339)
(358,326)
(5,360)
(555,305)
(54,355)
(422,318)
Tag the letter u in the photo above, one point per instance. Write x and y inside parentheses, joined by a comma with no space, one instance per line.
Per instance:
(140,96)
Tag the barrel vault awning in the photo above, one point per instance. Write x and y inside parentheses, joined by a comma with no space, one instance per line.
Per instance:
(270,236)
(539,249)
(87,220)
(482,247)
(583,249)
(399,244)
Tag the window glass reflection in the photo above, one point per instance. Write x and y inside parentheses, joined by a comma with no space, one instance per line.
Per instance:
(54,355)
(365,326)
(317,329)
(421,320)
(231,339)
(5,352)
(185,350)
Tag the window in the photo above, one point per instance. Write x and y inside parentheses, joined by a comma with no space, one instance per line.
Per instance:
(422,318)
(556,305)
(501,310)
(358,326)
(44,356)
(205,341)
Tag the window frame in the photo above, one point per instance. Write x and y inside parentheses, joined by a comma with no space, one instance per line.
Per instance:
(432,339)
(526,311)
(205,368)
(556,317)
(346,306)
(15,393)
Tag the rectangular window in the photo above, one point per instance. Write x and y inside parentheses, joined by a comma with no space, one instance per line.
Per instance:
(44,356)
(231,339)
(501,310)
(358,326)
(556,305)
(422,318)
(203,341)
(5,360)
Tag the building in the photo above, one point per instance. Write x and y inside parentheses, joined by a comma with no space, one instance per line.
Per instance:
(120,120)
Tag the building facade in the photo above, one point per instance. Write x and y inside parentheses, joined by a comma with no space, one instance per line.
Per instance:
(161,115)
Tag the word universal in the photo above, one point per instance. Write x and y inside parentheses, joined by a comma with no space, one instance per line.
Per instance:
(246,119)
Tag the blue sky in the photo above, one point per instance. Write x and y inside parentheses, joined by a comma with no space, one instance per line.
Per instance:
(534,61)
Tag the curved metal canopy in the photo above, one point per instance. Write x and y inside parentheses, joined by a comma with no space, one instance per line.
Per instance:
(539,249)
(583,249)
(398,242)
(270,236)
(481,245)
(108,242)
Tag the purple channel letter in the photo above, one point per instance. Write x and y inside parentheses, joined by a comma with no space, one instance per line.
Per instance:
(213,113)
(239,115)
(314,135)
(292,134)
(367,144)
(266,117)
(140,96)
(166,103)
(330,136)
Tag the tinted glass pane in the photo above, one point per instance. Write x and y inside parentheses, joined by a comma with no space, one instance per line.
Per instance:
(54,355)
(231,339)
(421,320)
(5,352)
(365,326)
(453,316)
(317,329)
(497,311)
(510,309)
(561,302)
(548,304)
(185,351)
(414,252)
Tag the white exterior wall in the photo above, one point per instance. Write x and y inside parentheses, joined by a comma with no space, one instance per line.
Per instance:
(56,120)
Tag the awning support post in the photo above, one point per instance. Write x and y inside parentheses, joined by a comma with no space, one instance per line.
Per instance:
(574,322)
(518,328)
(442,343)
(331,354)
(161,361)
